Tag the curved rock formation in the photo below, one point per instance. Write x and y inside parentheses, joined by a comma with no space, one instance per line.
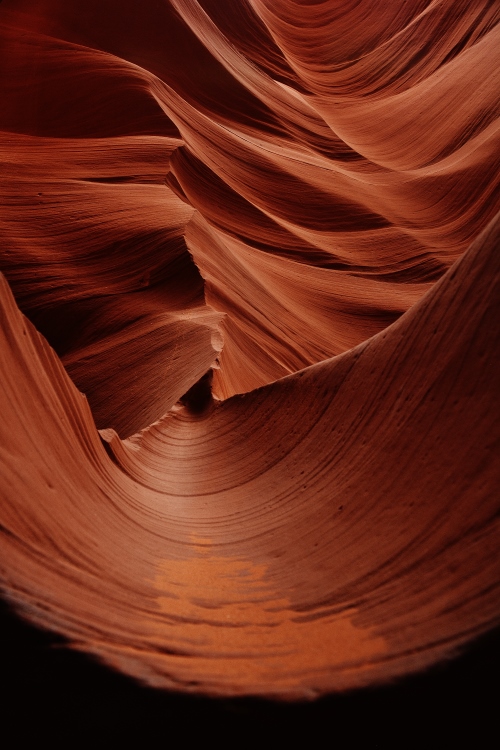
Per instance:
(264,248)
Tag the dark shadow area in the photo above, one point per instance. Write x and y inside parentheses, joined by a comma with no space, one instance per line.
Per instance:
(199,397)
(53,694)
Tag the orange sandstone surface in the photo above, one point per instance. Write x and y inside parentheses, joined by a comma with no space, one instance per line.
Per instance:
(250,330)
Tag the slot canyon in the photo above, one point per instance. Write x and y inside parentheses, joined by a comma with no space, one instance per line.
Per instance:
(250,336)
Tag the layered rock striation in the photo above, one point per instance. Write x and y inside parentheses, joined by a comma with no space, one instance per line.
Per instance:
(249,335)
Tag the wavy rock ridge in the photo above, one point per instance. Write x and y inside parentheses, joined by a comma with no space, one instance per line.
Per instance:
(264,248)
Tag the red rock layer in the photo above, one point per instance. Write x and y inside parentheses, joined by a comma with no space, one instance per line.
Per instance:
(256,189)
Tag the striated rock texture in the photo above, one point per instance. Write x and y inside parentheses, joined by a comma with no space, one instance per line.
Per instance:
(250,330)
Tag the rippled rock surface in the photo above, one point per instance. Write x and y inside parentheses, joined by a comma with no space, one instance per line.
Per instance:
(250,312)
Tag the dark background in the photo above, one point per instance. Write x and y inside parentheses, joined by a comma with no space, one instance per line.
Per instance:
(53,694)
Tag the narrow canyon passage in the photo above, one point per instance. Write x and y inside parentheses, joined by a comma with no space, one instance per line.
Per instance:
(304,222)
